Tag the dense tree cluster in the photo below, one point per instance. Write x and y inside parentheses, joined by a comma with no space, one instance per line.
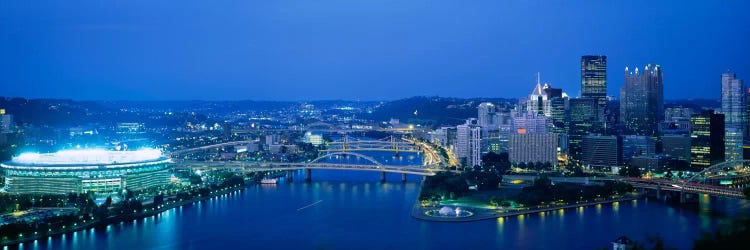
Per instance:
(20,202)
(443,185)
(231,180)
(535,165)
(489,174)
(106,213)
(18,230)
(544,192)
(735,235)
(307,151)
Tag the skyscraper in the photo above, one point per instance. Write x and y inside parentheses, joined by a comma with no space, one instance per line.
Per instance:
(642,101)
(600,151)
(535,103)
(677,146)
(734,110)
(707,139)
(637,145)
(468,143)
(594,78)
(530,123)
(533,147)
(487,116)
(583,120)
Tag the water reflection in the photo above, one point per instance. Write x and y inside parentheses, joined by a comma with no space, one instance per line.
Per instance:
(499,228)
(356,206)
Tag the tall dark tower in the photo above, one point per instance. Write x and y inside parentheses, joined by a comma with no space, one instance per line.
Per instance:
(707,139)
(583,120)
(642,101)
(594,78)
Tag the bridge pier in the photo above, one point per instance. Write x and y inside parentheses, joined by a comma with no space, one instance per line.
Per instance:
(290,174)
(658,192)
(683,197)
(403,177)
(382,176)
(308,174)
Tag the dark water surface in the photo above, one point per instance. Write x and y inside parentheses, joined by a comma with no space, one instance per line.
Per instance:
(353,210)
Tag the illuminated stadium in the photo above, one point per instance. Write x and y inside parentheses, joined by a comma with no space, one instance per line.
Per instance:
(80,171)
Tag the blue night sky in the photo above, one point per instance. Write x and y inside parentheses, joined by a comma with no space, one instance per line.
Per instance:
(359,50)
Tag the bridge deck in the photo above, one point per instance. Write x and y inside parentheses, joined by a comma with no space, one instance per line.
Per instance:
(260,166)
(685,187)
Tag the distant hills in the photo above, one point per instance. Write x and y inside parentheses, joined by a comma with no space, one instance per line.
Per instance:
(426,110)
(696,104)
(433,111)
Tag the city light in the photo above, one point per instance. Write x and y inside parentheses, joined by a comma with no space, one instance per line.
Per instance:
(418,125)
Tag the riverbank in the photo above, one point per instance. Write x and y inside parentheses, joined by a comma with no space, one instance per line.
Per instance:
(115,219)
(419,212)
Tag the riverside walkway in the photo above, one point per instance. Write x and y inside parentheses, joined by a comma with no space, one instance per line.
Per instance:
(419,211)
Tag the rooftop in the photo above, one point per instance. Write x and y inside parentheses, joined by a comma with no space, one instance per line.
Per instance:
(87,157)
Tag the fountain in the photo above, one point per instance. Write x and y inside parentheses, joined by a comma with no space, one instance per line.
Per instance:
(449,212)
(446,211)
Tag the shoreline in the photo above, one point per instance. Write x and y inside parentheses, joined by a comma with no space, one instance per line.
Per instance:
(95,223)
(418,212)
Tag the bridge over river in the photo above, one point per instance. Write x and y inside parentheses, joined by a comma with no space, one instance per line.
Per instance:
(363,163)
(709,181)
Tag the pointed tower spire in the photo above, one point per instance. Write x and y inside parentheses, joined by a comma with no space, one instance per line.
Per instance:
(538,87)
(538,78)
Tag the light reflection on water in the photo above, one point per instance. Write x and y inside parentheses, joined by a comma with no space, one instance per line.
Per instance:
(259,212)
(355,206)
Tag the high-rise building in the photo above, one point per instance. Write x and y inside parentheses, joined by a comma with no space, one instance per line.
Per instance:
(594,78)
(637,145)
(734,110)
(535,103)
(677,125)
(503,135)
(707,139)
(549,102)
(676,121)
(583,120)
(600,151)
(676,113)
(468,143)
(556,107)
(530,147)
(654,163)
(530,123)
(677,146)
(642,101)
(487,116)
(444,136)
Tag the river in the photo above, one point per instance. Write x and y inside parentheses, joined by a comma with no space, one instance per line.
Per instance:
(353,210)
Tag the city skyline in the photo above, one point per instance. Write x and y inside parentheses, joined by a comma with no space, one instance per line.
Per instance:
(257,49)
(375,124)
